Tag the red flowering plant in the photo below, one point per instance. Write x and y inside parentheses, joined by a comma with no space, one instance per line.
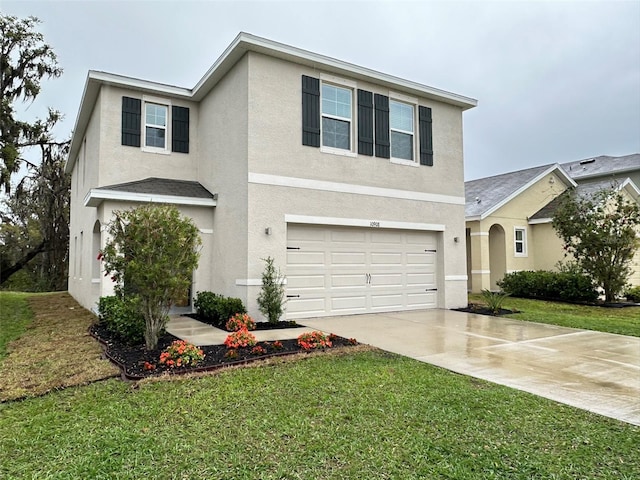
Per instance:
(311,340)
(240,321)
(181,353)
(258,350)
(277,345)
(240,339)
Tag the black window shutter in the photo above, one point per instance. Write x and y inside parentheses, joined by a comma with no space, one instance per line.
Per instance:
(310,111)
(180,129)
(365,122)
(131,116)
(426,136)
(382,126)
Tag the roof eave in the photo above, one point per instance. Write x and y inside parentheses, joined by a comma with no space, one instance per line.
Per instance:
(96,196)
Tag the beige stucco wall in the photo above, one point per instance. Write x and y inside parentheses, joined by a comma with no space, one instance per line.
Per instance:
(514,215)
(275,148)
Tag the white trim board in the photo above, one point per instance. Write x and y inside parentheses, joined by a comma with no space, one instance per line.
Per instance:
(305,183)
(97,195)
(361,222)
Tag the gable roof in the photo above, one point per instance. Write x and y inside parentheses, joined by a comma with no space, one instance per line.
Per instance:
(584,189)
(242,44)
(602,165)
(154,190)
(486,195)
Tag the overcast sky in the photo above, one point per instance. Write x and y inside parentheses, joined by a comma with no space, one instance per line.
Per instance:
(555,81)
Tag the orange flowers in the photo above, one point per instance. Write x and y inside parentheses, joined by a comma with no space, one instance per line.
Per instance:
(241,338)
(181,353)
(311,340)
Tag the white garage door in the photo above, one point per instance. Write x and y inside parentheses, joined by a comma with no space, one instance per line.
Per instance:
(347,270)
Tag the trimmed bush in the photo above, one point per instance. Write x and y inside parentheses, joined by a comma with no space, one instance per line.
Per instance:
(568,287)
(633,294)
(217,309)
(122,317)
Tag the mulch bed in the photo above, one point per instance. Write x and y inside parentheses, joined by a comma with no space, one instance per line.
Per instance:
(259,325)
(132,358)
(484,310)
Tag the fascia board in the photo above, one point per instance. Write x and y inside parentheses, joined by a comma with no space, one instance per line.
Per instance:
(553,168)
(245,42)
(96,196)
(539,221)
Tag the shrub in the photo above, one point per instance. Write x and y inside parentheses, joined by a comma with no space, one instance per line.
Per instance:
(217,309)
(121,316)
(240,321)
(633,294)
(311,340)
(494,300)
(181,353)
(271,299)
(240,339)
(258,350)
(572,287)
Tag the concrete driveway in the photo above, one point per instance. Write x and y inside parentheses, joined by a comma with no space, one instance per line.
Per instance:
(594,371)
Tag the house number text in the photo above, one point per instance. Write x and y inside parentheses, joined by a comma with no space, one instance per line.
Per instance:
(374,224)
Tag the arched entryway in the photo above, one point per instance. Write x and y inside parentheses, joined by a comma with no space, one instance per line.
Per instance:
(497,255)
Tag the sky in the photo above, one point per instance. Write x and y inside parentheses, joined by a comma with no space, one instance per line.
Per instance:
(556,81)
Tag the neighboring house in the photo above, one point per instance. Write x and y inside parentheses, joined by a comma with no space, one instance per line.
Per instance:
(509,216)
(351,179)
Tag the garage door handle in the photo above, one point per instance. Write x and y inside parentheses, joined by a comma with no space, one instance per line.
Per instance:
(293,248)
(431,251)
(431,290)
(293,296)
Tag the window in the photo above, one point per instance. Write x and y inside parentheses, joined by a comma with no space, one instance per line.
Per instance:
(164,129)
(155,127)
(520,243)
(401,122)
(336,117)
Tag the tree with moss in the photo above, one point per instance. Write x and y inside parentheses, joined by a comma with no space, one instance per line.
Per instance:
(271,300)
(151,254)
(600,232)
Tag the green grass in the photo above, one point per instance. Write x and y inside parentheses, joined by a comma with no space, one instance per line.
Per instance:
(15,316)
(364,415)
(623,321)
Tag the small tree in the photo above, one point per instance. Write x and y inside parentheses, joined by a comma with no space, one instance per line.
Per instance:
(271,299)
(599,231)
(152,254)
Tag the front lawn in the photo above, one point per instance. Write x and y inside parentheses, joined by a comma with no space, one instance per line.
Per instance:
(623,321)
(14,318)
(360,413)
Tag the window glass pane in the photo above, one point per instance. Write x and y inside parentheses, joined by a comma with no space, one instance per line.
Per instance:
(519,247)
(154,137)
(156,115)
(336,101)
(401,116)
(519,235)
(336,133)
(401,145)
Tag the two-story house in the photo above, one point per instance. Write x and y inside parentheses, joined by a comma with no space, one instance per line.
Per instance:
(351,179)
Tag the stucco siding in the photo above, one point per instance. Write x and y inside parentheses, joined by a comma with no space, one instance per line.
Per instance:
(275,140)
(120,163)
(222,169)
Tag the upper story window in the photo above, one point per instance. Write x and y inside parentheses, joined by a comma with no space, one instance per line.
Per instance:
(336,117)
(166,127)
(396,128)
(520,242)
(155,127)
(401,116)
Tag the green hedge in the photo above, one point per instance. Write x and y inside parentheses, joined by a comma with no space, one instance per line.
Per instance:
(216,309)
(569,287)
(633,294)
(121,316)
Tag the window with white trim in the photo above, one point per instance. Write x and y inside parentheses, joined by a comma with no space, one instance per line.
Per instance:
(155,125)
(337,107)
(520,242)
(401,124)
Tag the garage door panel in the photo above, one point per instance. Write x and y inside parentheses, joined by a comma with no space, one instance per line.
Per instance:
(345,270)
(358,302)
(421,258)
(300,258)
(348,258)
(305,281)
(341,281)
(386,258)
